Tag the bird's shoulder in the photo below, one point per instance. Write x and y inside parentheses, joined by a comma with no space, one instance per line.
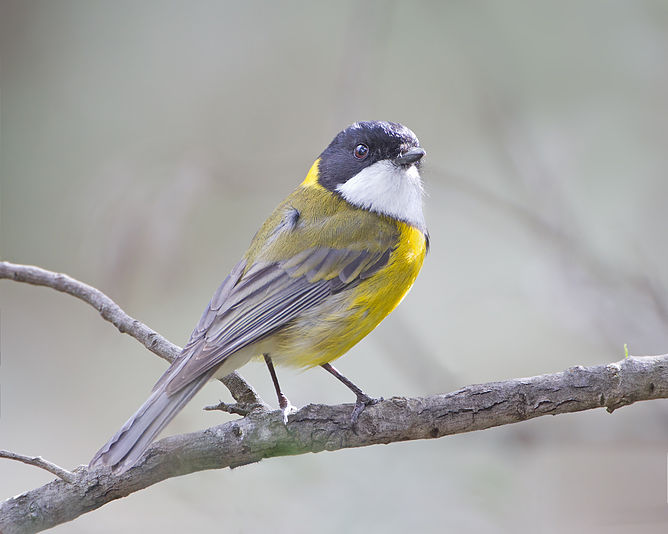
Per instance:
(314,218)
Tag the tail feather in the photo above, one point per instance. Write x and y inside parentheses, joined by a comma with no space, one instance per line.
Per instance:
(128,444)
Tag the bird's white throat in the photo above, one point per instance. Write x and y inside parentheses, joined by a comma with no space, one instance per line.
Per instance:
(388,189)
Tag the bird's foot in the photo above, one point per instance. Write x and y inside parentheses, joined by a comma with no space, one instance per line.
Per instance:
(286,407)
(363,401)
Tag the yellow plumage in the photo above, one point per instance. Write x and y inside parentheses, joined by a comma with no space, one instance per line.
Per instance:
(325,332)
(328,331)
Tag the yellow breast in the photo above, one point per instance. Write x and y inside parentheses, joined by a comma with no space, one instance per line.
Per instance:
(327,331)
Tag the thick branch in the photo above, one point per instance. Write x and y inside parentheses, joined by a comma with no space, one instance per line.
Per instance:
(316,428)
(241,390)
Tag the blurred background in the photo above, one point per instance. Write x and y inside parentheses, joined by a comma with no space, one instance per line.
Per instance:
(143,143)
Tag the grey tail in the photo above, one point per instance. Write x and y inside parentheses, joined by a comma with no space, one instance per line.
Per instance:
(123,450)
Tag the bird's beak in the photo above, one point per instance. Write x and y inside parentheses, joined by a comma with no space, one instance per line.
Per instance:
(411,156)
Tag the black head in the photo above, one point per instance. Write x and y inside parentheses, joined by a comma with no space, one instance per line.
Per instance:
(364,143)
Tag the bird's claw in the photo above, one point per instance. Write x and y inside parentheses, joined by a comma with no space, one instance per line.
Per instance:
(288,410)
(286,407)
(362,402)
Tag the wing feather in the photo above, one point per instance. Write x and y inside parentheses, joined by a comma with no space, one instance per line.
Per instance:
(264,299)
(265,292)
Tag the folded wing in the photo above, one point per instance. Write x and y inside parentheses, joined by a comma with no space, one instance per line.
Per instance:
(265,298)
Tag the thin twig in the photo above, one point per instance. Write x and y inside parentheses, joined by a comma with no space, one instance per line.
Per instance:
(237,408)
(241,390)
(38,461)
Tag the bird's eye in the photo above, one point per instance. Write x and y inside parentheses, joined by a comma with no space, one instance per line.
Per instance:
(361,151)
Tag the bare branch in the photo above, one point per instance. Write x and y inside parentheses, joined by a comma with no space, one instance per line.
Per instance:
(241,390)
(237,408)
(38,461)
(316,428)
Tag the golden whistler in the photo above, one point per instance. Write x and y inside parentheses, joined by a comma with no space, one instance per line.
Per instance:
(327,266)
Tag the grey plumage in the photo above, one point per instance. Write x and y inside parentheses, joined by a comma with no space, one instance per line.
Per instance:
(247,307)
(124,449)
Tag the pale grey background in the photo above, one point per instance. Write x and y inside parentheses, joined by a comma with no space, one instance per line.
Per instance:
(144,142)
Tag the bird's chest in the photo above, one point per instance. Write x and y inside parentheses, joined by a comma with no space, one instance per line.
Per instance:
(328,330)
(381,293)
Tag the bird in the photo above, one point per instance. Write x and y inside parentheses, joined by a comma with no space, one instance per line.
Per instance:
(328,265)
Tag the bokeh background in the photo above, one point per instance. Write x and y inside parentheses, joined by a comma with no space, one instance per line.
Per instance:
(144,142)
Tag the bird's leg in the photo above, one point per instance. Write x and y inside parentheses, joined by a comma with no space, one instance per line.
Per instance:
(283,402)
(363,400)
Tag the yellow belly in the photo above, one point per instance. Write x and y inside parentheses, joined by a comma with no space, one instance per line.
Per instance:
(327,331)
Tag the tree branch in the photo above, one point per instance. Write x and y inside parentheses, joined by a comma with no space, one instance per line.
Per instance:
(38,461)
(316,428)
(241,390)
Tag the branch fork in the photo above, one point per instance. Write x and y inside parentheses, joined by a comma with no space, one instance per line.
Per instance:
(262,433)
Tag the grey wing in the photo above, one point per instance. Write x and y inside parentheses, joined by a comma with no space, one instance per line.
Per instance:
(205,321)
(249,307)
